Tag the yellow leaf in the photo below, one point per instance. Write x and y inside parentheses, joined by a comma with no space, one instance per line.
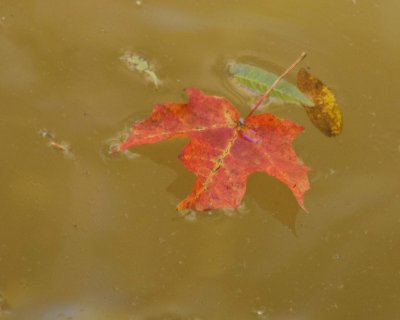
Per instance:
(325,114)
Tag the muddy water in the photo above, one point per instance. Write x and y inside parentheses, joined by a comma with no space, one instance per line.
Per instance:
(86,235)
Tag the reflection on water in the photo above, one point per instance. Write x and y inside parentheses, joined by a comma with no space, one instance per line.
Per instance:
(96,236)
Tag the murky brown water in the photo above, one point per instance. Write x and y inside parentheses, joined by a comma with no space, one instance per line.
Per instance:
(89,236)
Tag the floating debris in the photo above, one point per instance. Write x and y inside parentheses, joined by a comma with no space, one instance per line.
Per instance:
(46,134)
(139,63)
(260,313)
(188,215)
(56,145)
(130,155)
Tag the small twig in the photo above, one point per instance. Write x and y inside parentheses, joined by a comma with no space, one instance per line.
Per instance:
(265,95)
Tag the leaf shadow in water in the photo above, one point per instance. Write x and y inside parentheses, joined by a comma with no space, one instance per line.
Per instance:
(271,195)
(275,198)
(165,154)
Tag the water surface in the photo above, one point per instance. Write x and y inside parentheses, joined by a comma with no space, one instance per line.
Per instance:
(86,235)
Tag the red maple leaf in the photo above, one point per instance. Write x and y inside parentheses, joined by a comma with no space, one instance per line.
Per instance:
(224,150)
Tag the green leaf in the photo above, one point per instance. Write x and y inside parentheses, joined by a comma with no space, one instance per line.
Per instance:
(257,81)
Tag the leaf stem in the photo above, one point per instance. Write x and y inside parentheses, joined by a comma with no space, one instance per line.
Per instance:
(265,95)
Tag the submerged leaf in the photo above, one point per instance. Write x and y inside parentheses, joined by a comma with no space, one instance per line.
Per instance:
(258,81)
(139,63)
(325,114)
(224,150)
